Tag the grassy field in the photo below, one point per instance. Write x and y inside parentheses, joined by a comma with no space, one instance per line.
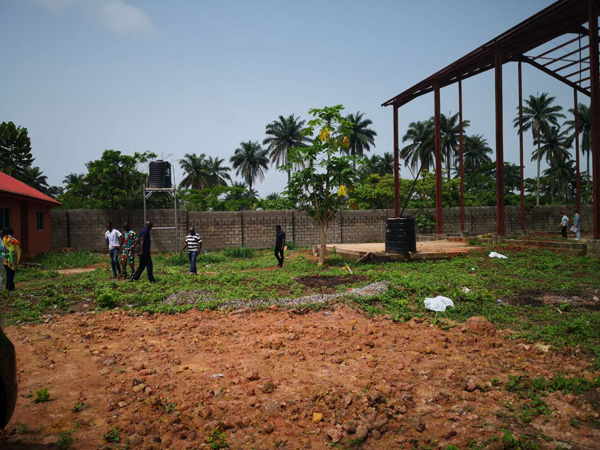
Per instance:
(507,292)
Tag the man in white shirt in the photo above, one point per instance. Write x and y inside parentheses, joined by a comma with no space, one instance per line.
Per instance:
(113,237)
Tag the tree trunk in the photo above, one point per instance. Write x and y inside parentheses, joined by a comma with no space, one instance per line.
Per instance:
(588,166)
(323,248)
(250,191)
(539,162)
(289,174)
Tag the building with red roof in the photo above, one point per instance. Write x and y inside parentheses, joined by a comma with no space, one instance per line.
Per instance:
(27,211)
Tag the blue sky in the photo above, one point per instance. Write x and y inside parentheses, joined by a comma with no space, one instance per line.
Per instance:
(189,76)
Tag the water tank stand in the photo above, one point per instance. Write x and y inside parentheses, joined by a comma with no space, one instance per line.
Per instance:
(148,191)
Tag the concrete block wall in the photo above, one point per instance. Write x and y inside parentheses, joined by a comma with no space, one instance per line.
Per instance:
(84,229)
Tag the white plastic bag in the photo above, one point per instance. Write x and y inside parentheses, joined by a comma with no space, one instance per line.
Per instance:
(497,255)
(438,303)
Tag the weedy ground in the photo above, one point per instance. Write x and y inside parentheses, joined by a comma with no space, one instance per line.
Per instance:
(534,297)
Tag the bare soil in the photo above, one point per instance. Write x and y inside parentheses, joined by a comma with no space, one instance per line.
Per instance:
(280,379)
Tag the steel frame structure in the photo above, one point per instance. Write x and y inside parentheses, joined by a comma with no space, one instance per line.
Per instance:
(562,18)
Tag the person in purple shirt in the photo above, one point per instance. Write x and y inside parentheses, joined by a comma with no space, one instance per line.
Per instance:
(145,258)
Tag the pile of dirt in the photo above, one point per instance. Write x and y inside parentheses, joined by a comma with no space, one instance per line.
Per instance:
(539,298)
(276,379)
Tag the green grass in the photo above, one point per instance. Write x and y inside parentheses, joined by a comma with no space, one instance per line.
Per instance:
(250,274)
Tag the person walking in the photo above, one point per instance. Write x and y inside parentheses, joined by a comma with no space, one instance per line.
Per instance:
(564,220)
(12,257)
(576,228)
(145,258)
(130,240)
(279,244)
(2,251)
(113,237)
(193,243)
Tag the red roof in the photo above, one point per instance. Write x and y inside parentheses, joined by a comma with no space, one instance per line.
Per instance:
(13,186)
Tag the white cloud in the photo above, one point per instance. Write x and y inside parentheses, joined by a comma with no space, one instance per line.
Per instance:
(119,16)
(123,18)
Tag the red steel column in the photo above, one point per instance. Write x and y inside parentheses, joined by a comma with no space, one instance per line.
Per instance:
(521,147)
(500,219)
(396,166)
(595,106)
(577,176)
(462,165)
(438,160)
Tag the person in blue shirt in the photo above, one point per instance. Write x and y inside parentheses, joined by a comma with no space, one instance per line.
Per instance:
(145,259)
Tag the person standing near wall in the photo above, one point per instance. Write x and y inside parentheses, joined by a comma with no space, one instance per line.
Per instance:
(564,220)
(113,237)
(12,257)
(130,240)
(193,243)
(576,228)
(279,244)
(2,251)
(145,259)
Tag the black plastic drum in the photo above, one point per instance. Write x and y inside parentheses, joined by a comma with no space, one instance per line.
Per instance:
(160,174)
(400,235)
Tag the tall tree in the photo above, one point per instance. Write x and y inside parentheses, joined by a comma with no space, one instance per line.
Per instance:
(197,175)
(584,119)
(539,114)
(420,150)
(15,150)
(450,127)
(475,153)
(250,162)
(361,136)
(553,146)
(218,174)
(34,177)
(561,176)
(282,135)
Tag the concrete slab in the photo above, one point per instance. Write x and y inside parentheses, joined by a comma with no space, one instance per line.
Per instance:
(427,250)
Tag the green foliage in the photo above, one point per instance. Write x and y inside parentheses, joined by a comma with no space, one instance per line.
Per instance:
(65,441)
(77,408)
(107,298)
(510,442)
(239,252)
(41,396)
(113,435)
(217,440)
(218,198)
(111,182)
(67,260)
(15,146)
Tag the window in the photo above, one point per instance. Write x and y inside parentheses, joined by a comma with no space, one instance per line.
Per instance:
(4,217)
(40,220)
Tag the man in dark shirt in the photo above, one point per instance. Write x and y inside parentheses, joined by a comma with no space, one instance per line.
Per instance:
(279,244)
(145,259)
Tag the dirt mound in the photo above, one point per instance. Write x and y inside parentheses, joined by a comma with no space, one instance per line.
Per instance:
(541,298)
(276,379)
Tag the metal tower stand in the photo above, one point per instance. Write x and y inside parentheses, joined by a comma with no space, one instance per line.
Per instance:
(148,191)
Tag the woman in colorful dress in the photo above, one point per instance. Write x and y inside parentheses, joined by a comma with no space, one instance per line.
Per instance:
(11,258)
(130,240)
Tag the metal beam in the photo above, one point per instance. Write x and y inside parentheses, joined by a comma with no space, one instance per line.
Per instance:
(396,166)
(438,161)
(595,107)
(521,147)
(562,58)
(553,74)
(585,58)
(462,164)
(577,176)
(500,218)
(556,48)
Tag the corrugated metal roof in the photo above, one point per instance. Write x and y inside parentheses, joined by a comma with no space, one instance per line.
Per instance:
(13,186)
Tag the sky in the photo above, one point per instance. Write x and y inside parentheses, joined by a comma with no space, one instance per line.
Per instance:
(195,76)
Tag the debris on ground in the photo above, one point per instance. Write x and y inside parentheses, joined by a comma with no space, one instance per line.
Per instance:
(438,304)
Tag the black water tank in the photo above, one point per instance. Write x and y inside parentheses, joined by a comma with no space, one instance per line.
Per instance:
(400,235)
(160,174)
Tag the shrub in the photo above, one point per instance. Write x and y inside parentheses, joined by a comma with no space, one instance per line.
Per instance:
(239,252)
(107,299)
(41,396)
(113,436)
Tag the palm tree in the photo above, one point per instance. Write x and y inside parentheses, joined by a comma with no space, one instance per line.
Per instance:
(475,153)
(74,183)
(34,177)
(197,175)
(420,151)
(250,161)
(562,171)
(584,119)
(539,115)
(553,145)
(450,127)
(284,134)
(217,173)
(361,136)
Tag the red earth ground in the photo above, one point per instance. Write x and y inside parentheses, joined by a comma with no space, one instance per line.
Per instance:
(281,379)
